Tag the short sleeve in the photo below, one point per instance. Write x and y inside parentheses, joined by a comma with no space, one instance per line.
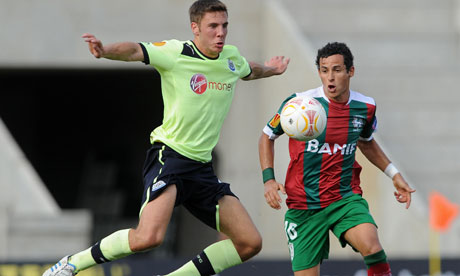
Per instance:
(238,61)
(369,128)
(245,68)
(161,55)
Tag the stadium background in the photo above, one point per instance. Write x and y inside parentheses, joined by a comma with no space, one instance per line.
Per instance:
(75,129)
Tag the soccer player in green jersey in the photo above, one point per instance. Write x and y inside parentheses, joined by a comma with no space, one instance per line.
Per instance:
(322,182)
(198,80)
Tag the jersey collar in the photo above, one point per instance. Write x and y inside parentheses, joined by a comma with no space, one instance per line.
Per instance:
(198,50)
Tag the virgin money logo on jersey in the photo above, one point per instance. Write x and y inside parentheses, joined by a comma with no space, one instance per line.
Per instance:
(198,83)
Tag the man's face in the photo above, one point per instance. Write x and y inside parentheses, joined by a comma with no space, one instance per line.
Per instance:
(335,78)
(210,34)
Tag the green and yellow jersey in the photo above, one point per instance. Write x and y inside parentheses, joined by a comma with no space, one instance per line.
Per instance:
(197,92)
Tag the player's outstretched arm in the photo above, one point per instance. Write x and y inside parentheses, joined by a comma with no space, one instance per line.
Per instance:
(271,186)
(125,51)
(275,66)
(376,156)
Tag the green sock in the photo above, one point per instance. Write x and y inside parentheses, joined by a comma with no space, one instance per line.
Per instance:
(376,258)
(112,247)
(188,269)
(214,259)
(222,255)
(82,260)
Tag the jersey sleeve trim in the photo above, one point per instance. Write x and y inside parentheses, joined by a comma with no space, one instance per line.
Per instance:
(367,139)
(250,72)
(271,135)
(146,55)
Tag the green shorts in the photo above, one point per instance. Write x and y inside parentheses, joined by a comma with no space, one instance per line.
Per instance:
(307,231)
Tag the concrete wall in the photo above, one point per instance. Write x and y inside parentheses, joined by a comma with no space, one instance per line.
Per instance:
(32,226)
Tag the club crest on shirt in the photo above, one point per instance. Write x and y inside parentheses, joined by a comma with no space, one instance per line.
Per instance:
(358,123)
(231,65)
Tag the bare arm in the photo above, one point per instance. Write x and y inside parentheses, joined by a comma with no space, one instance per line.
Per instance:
(374,153)
(266,158)
(275,66)
(125,51)
(376,156)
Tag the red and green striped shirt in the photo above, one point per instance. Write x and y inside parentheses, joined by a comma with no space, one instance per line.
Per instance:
(324,170)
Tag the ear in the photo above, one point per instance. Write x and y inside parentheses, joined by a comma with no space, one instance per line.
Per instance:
(351,72)
(195,28)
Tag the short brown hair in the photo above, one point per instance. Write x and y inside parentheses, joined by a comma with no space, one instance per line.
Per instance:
(200,7)
(336,48)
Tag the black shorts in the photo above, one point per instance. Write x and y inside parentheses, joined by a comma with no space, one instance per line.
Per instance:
(198,188)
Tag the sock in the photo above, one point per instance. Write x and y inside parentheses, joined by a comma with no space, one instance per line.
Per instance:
(214,259)
(377,264)
(112,247)
(381,269)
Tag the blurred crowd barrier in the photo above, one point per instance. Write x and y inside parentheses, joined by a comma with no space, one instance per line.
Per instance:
(140,266)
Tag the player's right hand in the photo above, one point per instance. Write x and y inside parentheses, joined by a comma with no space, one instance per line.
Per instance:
(95,45)
(403,193)
(271,188)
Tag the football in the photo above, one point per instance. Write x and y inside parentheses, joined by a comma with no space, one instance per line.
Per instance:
(303,118)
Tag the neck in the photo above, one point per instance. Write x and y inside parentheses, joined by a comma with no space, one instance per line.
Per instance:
(202,49)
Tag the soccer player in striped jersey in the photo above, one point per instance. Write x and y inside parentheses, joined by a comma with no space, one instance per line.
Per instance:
(198,80)
(322,180)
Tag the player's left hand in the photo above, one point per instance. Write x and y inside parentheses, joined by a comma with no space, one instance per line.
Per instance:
(278,64)
(403,190)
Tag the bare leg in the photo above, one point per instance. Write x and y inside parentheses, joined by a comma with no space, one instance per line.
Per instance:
(153,222)
(238,226)
(313,271)
(243,242)
(364,238)
(149,233)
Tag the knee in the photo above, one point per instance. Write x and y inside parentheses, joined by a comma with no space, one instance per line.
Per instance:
(371,249)
(255,245)
(249,247)
(142,242)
